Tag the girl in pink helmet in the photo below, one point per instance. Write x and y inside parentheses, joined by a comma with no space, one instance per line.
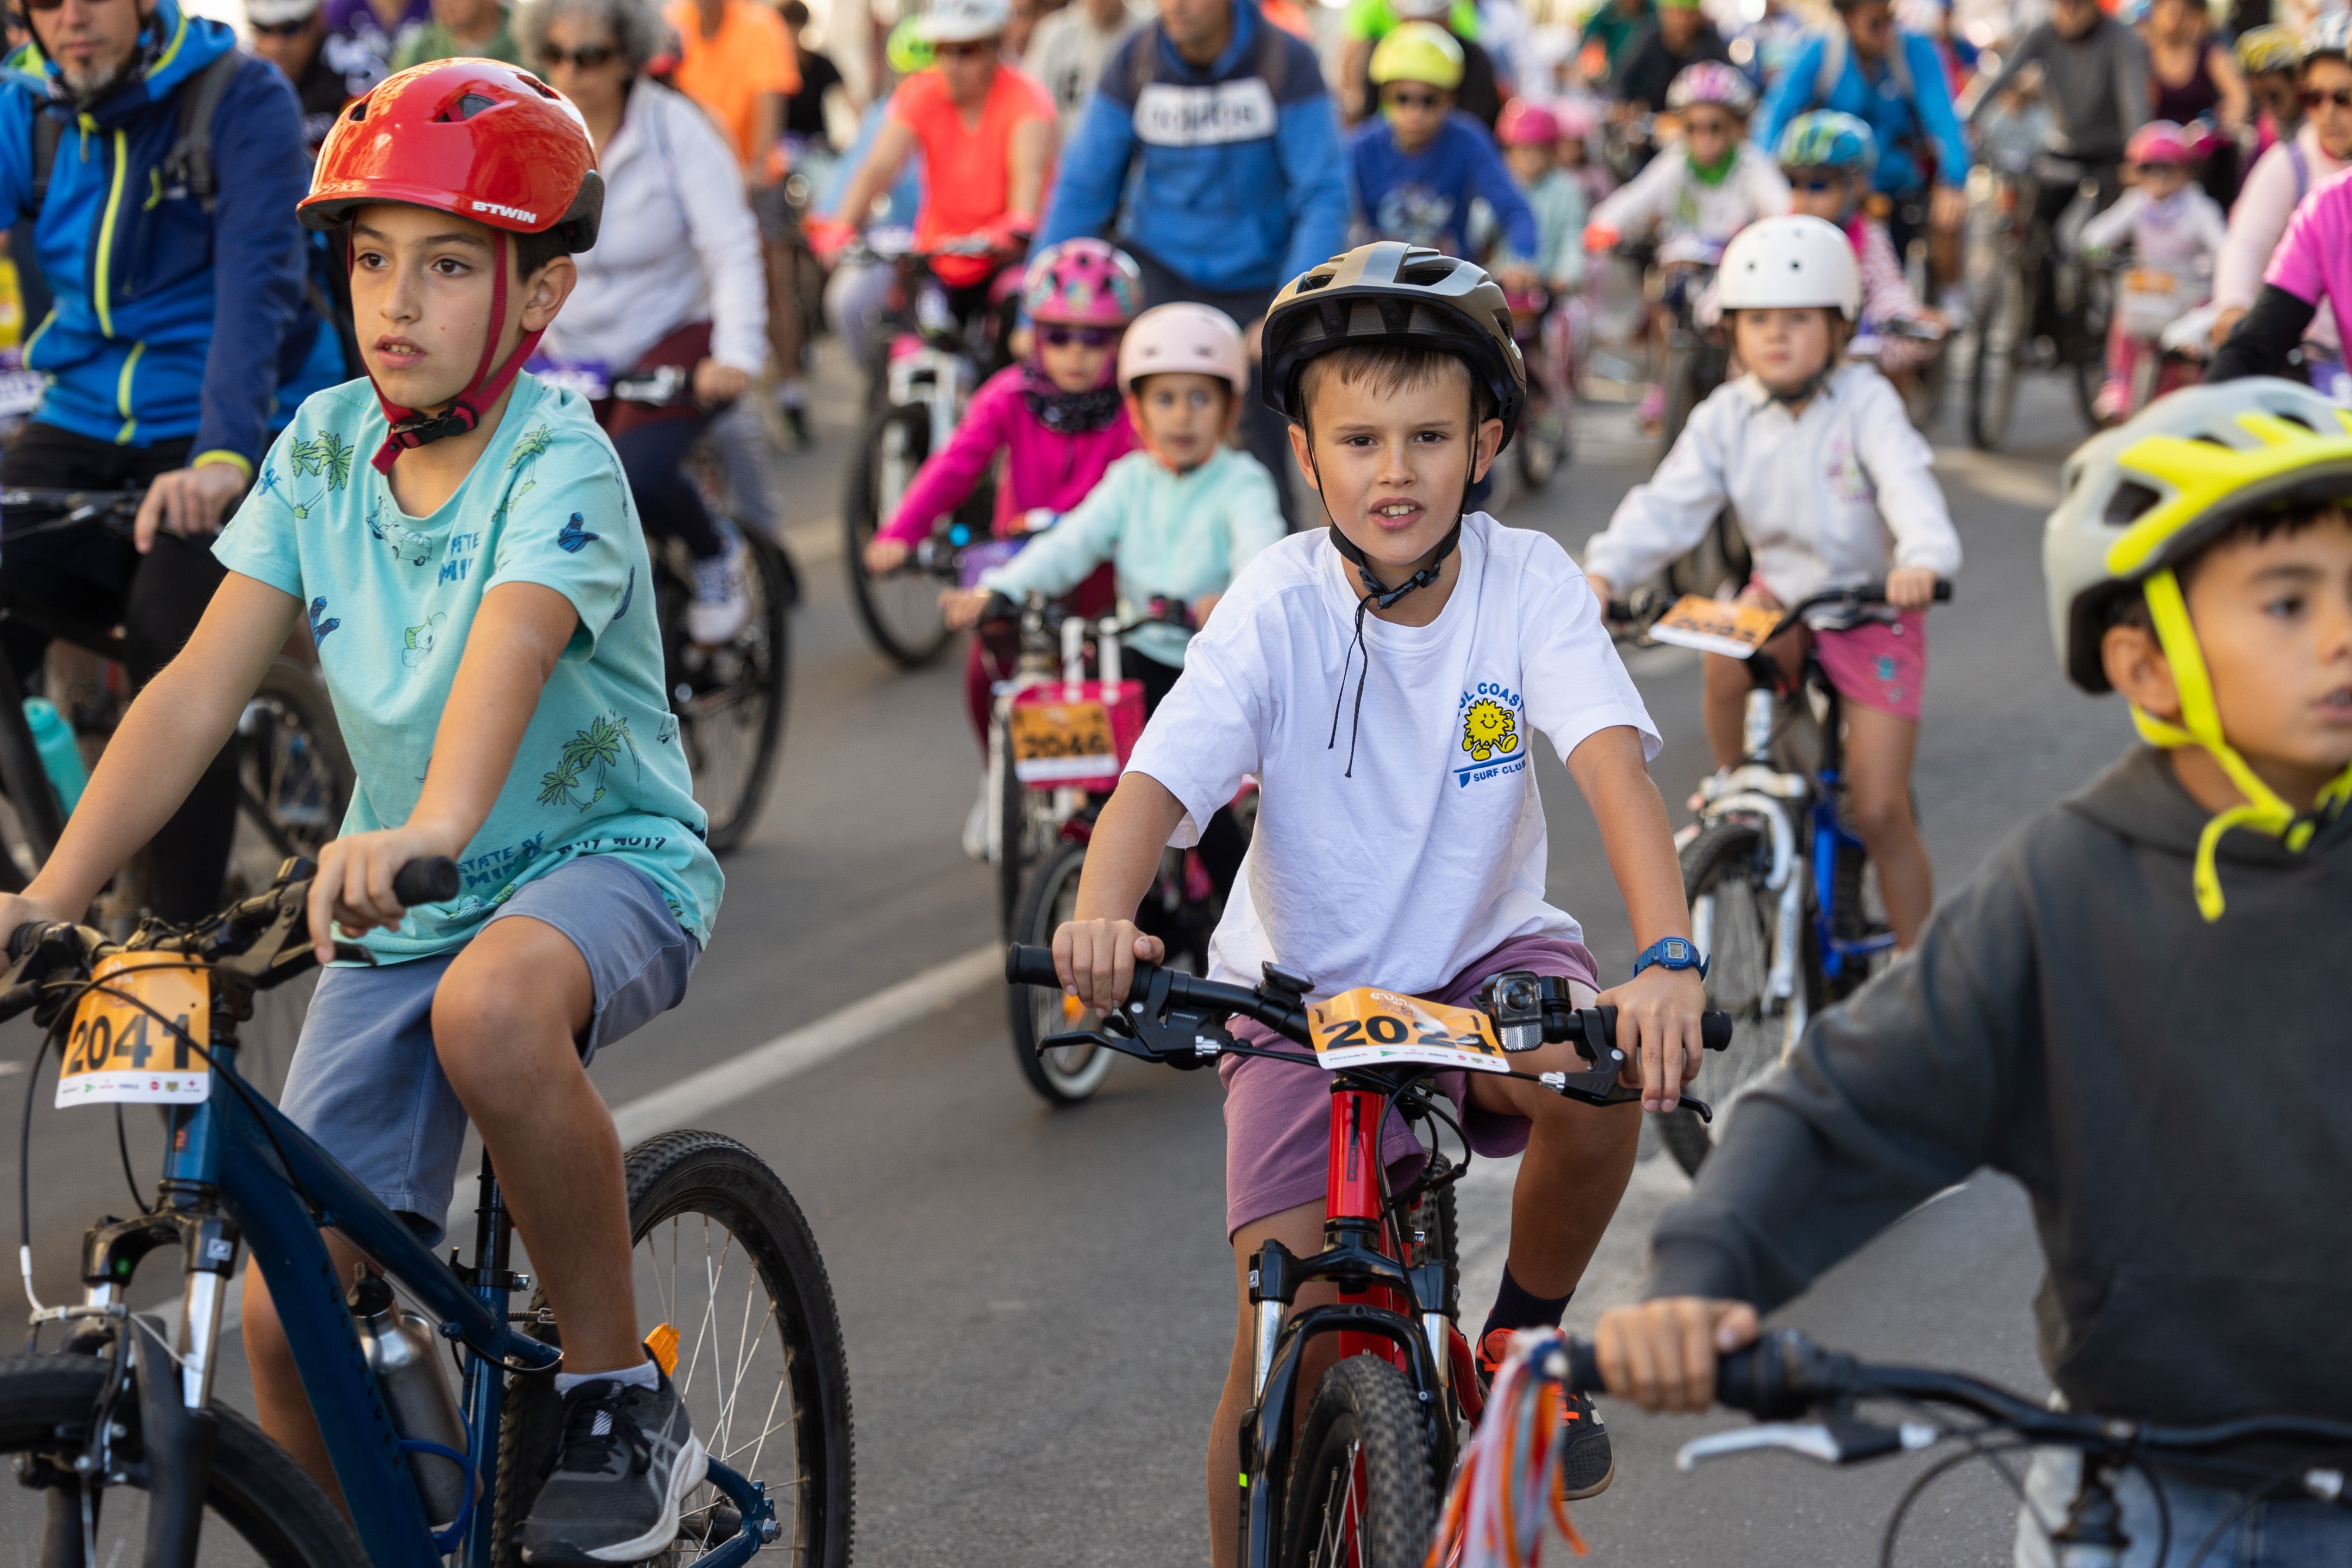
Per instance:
(2174,232)
(1055,416)
(1176,520)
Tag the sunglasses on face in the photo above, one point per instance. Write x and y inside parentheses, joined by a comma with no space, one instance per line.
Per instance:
(961,52)
(1084,337)
(2312,97)
(1816,185)
(267,29)
(1410,99)
(586,59)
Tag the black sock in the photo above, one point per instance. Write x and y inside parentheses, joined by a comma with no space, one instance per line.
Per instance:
(1516,1307)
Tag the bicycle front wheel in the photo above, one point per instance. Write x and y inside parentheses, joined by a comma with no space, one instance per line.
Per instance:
(1067,1076)
(729,700)
(260,1509)
(724,1257)
(294,775)
(1361,1492)
(900,609)
(2000,327)
(1735,922)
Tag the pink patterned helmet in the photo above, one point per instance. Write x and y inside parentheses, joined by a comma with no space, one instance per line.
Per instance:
(1577,121)
(1082,283)
(1711,81)
(1526,124)
(2161,142)
(1201,338)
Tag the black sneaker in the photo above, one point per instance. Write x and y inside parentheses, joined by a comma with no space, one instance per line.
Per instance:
(1586,1464)
(627,1458)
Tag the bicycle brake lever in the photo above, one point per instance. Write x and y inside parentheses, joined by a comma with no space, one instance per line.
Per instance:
(1599,1087)
(1840,1438)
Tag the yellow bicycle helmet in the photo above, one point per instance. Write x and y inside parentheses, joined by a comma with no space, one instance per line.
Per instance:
(2142,498)
(2269,49)
(1418,51)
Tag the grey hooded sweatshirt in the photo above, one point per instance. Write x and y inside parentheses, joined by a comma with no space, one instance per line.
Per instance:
(2175,1097)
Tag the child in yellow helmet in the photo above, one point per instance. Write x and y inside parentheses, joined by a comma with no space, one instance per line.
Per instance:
(2136,1009)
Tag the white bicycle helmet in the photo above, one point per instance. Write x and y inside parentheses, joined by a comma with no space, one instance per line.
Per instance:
(965,21)
(2331,35)
(1184,337)
(2137,501)
(1786,263)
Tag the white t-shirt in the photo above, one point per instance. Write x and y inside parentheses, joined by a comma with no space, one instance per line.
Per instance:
(1434,851)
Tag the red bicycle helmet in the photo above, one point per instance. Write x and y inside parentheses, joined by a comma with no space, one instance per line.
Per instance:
(482,141)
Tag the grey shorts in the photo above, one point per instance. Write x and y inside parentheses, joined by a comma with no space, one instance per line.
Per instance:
(366,1084)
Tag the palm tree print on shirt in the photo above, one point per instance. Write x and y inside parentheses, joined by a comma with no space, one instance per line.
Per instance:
(598,747)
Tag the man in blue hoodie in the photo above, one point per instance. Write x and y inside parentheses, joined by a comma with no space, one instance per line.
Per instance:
(179,333)
(1243,183)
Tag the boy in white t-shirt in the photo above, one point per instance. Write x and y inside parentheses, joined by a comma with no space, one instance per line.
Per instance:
(1382,681)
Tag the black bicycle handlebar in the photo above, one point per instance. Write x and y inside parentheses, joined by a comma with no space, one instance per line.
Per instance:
(433,880)
(1283,1013)
(1785,1374)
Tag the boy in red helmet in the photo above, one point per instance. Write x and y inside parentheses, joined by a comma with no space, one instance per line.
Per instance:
(463,543)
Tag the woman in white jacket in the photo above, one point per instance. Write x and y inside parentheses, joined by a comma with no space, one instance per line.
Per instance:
(1833,488)
(675,277)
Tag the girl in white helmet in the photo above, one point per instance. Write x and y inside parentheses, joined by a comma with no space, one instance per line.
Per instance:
(1833,487)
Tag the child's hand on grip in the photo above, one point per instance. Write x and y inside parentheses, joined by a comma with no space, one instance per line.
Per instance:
(1097,959)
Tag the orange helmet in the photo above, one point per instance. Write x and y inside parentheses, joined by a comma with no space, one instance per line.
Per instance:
(481,140)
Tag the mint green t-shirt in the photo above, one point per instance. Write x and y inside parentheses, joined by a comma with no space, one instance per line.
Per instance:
(391,598)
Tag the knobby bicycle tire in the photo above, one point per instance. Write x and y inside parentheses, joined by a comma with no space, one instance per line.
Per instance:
(918,640)
(762,676)
(257,1490)
(1727,859)
(1361,1492)
(1042,908)
(296,818)
(703,1175)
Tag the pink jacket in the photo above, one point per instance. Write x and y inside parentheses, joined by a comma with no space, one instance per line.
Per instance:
(1041,469)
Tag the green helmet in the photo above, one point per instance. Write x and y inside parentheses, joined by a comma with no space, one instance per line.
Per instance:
(909,50)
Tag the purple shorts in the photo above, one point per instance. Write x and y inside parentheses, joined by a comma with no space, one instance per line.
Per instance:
(1279,1114)
(1879,663)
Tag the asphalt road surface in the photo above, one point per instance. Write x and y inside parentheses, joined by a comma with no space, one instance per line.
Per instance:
(1038,1303)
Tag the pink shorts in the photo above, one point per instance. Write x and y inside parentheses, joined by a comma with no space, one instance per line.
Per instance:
(1879,663)
(1279,1114)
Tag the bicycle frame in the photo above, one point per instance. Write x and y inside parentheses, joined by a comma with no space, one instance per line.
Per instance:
(1829,835)
(237,1154)
(1386,1308)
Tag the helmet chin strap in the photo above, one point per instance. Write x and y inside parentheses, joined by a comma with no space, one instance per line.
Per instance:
(412,428)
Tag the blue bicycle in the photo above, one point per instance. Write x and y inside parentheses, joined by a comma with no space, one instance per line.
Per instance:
(1784,901)
(119,1448)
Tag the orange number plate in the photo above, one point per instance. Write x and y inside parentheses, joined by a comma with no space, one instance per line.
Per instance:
(120,1051)
(1711,626)
(1367,1025)
(1055,742)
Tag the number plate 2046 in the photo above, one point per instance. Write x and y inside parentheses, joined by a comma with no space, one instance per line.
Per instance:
(119,1050)
(1368,1027)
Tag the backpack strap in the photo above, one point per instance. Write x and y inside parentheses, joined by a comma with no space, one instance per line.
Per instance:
(190,161)
(48,132)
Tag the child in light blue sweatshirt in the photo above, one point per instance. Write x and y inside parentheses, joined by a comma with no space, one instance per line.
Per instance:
(1178,519)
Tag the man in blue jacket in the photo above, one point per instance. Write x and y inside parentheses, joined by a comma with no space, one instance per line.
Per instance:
(162,193)
(1243,183)
(1893,82)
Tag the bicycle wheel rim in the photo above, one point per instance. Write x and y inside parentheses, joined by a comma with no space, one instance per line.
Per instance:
(728,701)
(1075,1072)
(749,1367)
(1735,921)
(902,608)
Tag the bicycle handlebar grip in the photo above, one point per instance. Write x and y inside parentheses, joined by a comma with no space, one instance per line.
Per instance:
(1025,965)
(433,880)
(1943,592)
(1715,1029)
(21,940)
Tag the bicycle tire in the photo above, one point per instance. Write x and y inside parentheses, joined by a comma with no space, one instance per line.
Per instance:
(1360,1493)
(900,612)
(284,1518)
(697,1173)
(38,817)
(295,776)
(1016,828)
(1072,1075)
(2086,349)
(1992,369)
(1543,442)
(1735,918)
(730,701)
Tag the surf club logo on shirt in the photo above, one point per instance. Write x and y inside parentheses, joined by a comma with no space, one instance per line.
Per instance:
(1167,115)
(1490,747)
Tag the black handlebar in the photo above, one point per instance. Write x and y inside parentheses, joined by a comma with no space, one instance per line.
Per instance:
(1283,1013)
(431,881)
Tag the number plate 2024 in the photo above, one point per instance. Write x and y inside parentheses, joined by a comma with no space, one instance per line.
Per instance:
(1368,1027)
(117,1050)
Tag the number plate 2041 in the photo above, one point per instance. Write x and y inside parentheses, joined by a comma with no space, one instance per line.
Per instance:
(119,1050)
(1368,1027)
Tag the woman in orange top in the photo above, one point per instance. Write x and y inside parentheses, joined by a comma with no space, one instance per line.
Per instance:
(986,133)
